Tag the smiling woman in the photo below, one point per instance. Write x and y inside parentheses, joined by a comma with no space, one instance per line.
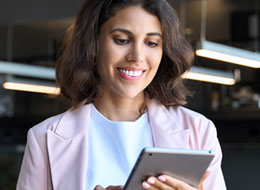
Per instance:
(76,68)
(121,70)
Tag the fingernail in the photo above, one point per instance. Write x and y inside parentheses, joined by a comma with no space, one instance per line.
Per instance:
(145,185)
(161,178)
(151,181)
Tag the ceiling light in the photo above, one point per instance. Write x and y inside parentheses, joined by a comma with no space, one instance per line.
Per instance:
(229,54)
(210,75)
(26,70)
(31,86)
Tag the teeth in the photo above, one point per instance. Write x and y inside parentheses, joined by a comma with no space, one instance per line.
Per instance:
(131,73)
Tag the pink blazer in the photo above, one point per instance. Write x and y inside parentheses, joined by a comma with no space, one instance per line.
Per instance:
(57,149)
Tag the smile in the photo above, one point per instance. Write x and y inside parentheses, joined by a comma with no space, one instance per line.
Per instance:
(131,73)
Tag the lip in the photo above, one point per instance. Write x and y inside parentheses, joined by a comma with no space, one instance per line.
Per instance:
(130,78)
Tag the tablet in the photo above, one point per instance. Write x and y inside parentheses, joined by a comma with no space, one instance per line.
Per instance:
(183,164)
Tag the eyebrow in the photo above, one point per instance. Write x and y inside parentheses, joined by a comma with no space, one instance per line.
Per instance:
(130,33)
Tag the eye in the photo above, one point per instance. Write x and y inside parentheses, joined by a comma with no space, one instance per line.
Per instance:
(151,44)
(121,41)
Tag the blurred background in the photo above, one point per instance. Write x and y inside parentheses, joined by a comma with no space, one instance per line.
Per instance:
(224,31)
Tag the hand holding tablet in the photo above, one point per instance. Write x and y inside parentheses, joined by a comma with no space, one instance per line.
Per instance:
(164,182)
(188,166)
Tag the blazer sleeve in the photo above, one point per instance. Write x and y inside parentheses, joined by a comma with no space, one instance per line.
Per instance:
(215,181)
(34,173)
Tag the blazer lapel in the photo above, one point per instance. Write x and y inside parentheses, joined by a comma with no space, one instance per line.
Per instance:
(67,148)
(166,129)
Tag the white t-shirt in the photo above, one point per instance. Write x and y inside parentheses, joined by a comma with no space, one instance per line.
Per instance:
(114,148)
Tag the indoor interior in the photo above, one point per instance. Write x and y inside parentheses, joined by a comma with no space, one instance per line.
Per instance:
(31,34)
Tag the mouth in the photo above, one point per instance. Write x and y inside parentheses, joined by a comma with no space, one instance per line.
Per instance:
(131,72)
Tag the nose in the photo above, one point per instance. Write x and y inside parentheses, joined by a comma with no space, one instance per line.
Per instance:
(136,53)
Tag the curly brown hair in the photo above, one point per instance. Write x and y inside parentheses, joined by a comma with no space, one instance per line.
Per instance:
(76,68)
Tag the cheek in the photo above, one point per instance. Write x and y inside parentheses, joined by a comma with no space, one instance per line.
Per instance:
(111,54)
(156,58)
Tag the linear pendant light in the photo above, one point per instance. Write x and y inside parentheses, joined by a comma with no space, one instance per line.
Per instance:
(31,85)
(25,70)
(31,88)
(210,75)
(223,52)
(229,54)
(12,69)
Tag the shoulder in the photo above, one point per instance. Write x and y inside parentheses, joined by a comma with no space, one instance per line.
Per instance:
(48,124)
(183,112)
(40,130)
(178,113)
(183,118)
(203,133)
(193,120)
(66,124)
(189,116)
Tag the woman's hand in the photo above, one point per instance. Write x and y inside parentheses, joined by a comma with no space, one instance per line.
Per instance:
(98,187)
(165,182)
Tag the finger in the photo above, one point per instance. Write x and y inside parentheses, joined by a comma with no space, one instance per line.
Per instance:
(175,183)
(120,187)
(153,183)
(99,187)
(206,175)
(148,186)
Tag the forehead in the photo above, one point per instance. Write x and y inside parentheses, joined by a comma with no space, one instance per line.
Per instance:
(135,19)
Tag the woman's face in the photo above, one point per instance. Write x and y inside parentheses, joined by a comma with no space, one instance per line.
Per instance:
(130,52)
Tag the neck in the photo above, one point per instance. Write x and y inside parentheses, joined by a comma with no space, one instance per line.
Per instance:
(119,108)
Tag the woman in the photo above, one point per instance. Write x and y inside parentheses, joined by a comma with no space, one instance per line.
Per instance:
(121,71)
